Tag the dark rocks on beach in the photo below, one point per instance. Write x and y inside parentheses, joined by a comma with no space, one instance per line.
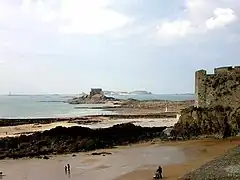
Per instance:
(101,153)
(85,122)
(140,116)
(45,157)
(218,121)
(38,121)
(62,140)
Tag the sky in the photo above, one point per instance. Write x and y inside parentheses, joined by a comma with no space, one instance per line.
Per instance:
(70,46)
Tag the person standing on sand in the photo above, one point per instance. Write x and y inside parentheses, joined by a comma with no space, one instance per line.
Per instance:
(66,169)
(159,171)
(69,170)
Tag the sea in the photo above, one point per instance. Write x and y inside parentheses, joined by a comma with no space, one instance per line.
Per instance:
(43,106)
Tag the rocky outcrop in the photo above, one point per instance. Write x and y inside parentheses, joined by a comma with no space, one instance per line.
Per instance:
(218,121)
(74,139)
(87,99)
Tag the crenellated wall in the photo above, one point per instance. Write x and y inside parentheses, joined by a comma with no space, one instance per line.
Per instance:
(220,88)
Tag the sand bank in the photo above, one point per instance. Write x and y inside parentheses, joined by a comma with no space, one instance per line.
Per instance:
(30,128)
(104,123)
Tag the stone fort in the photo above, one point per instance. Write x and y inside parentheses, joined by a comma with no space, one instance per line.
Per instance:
(220,88)
(95,91)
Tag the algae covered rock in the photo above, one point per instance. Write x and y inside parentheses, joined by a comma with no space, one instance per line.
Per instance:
(218,121)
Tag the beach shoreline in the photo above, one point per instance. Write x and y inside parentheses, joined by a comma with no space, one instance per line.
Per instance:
(130,109)
(93,123)
(88,118)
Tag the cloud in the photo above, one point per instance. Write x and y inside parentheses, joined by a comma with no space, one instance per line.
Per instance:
(222,17)
(40,10)
(76,16)
(90,17)
(175,28)
(200,16)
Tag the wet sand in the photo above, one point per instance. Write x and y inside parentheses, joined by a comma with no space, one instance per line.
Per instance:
(125,163)
(198,153)
(86,166)
(29,128)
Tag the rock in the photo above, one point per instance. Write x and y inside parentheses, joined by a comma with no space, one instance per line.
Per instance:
(45,157)
(217,121)
(101,153)
(167,131)
(74,155)
(61,140)
(94,99)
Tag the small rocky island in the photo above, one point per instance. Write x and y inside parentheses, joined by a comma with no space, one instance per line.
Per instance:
(96,96)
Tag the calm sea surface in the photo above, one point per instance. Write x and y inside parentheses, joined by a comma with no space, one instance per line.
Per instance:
(40,105)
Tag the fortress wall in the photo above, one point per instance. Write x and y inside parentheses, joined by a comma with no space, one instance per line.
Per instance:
(200,87)
(220,88)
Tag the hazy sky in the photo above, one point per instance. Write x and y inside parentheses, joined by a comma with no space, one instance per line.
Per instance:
(69,46)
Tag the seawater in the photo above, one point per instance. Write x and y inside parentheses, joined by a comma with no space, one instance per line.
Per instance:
(36,106)
(39,106)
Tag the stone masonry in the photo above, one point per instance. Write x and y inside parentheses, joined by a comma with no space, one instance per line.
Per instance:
(220,88)
(95,91)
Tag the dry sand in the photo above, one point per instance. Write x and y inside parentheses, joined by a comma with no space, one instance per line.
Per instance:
(17,130)
(137,162)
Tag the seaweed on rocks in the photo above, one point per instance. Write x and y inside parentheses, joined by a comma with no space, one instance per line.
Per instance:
(218,121)
(62,140)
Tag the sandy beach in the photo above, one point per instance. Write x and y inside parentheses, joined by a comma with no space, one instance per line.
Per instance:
(125,163)
(138,161)
(10,131)
(104,123)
